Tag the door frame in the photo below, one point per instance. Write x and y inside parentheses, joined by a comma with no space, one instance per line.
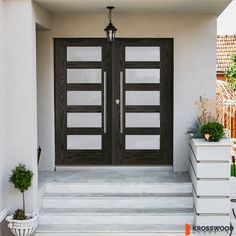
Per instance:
(61,108)
(166,61)
(166,66)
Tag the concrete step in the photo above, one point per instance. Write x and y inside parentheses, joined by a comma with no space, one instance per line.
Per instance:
(116,216)
(117,200)
(61,187)
(110,230)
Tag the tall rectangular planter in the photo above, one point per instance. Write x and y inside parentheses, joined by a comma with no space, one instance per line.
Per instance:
(210,175)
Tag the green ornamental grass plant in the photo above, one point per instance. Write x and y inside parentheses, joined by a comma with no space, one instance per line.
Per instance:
(208,124)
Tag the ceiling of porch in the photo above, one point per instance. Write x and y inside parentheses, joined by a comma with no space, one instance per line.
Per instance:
(158,6)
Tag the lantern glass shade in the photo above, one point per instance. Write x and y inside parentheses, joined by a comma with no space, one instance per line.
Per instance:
(110,32)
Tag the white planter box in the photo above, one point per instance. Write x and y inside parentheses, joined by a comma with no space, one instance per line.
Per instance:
(211,151)
(210,169)
(204,187)
(216,220)
(208,187)
(233,187)
(210,175)
(211,205)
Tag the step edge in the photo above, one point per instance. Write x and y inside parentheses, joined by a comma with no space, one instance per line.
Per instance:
(122,214)
(114,183)
(93,195)
(39,230)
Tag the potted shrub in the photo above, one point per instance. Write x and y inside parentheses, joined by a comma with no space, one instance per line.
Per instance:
(210,154)
(21,223)
(208,124)
(212,131)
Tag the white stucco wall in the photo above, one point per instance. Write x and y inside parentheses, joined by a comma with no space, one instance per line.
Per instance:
(45,99)
(194,58)
(41,16)
(2,107)
(45,87)
(20,98)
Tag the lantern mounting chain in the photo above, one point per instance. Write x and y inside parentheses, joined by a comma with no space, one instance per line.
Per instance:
(110,29)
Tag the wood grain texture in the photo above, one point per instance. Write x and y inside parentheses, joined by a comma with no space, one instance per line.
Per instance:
(84,87)
(60,100)
(166,96)
(142,87)
(76,157)
(113,140)
(165,154)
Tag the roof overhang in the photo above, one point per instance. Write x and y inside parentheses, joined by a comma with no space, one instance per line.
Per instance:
(214,7)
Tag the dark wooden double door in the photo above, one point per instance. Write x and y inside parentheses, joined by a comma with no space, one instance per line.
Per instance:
(114,103)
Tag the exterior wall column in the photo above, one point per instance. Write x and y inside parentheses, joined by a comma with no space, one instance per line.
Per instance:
(20,98)
(2,115)
(45,99)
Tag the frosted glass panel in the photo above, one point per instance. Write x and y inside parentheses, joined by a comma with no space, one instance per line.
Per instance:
(142,142)
(142,120)
(84,53)
(83,97)
(142,98)
(84,120)
(83,75)
(142,53)
(84,142)
(142,75)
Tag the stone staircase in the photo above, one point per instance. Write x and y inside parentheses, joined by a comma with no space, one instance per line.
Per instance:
(110,207)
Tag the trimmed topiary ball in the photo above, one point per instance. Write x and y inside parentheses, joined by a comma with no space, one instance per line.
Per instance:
(21,178)
(212,131)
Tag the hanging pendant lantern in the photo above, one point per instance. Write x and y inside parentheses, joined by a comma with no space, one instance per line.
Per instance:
(110,29)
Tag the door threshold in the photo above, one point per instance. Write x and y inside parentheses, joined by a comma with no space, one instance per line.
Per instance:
(76,168)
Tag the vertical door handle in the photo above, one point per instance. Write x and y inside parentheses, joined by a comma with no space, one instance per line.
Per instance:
(121,101)
(105,102)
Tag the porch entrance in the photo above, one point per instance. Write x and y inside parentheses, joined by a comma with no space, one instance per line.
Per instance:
(114,103)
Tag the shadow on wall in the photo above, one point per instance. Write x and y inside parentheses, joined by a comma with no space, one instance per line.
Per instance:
(4,230)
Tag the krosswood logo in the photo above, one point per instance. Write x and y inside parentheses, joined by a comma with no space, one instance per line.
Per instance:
(207,229)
